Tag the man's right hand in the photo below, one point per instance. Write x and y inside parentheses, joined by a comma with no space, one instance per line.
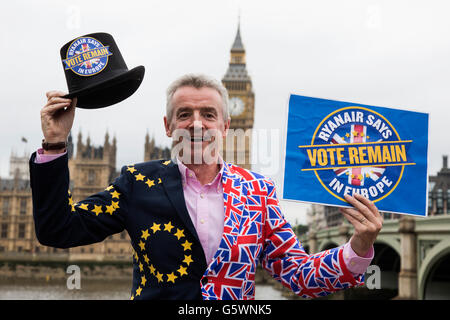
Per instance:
(57,118)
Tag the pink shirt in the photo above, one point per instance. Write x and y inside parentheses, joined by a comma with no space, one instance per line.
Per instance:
(206,209)
(205,206)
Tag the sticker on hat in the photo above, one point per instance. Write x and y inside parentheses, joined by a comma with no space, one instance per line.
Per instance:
(96,73)
(86,56)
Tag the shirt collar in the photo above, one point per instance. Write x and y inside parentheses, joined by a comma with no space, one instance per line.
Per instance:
(185,171)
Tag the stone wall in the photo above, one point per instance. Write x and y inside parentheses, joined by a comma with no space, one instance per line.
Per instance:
(57,271)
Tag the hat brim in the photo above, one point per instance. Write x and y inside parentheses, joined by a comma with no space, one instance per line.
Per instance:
(109,92)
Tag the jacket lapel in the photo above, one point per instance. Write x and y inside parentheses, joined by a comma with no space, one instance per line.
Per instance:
(172,184)
(233,208)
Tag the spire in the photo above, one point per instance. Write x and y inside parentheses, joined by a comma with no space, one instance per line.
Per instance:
(152,142)
(237,68)
(80,146)
(70,145)
(237,45)
(106,139)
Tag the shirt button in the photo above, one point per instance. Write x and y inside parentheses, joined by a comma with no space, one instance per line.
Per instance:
(202,195)
(352,263)
(202,221)
(191,174)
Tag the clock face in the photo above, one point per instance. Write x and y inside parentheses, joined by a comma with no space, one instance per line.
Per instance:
(236,106)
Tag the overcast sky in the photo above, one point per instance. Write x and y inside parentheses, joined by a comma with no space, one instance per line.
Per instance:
(382,53)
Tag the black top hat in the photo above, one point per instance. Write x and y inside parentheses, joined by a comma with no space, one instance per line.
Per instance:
(96,73)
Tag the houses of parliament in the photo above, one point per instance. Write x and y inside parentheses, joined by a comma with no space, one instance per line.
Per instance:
(92,168)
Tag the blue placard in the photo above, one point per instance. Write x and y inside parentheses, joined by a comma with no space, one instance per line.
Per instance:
(335,148)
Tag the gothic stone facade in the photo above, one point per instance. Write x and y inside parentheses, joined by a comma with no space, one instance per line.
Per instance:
(91,170)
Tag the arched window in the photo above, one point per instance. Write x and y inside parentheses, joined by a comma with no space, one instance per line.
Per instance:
(448,201)
(6,206)
(439,202)
(91,177)
(4,231)
(23,205)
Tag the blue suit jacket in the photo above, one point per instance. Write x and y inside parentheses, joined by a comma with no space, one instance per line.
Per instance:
(147,200)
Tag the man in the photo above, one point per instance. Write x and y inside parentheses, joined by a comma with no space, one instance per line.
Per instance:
(198,225)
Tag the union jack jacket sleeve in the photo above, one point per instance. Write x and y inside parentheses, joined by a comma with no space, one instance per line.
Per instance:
(308,276)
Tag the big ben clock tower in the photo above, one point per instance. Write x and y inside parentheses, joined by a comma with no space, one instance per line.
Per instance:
(242,107)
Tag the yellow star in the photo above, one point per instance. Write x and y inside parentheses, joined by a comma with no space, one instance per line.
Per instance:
(132,297)
(150,183)
(355,133)
(360,177)
(83,206)
(110,209)
(115,194)
(367,175)
(187,245)
(347,173)
(131,169)
(187,259)
(152,269)
(182,270)
(139,177)
(115,204)
(159,276)
(159,180)
(136,256)
(143,280)
(347,135)
(109,188)
(168,226)
(171,277)
(166,162)
(142,245)
(179,234)
(141,267)
(69,193)
(156,227)
(70,201)
(73,208)
(145,234)
(97,210)
(146,258)
(138,291)
(367,137)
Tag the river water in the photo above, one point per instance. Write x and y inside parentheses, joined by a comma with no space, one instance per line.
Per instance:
(29,289)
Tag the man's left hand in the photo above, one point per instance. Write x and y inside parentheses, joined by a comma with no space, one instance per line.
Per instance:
(366,220)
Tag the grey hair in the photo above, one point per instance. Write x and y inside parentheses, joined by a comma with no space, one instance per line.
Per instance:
(197,81)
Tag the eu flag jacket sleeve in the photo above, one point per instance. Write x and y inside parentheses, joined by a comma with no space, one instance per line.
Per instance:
(62,223)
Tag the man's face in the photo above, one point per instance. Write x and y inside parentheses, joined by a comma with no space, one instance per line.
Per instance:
(197,121)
